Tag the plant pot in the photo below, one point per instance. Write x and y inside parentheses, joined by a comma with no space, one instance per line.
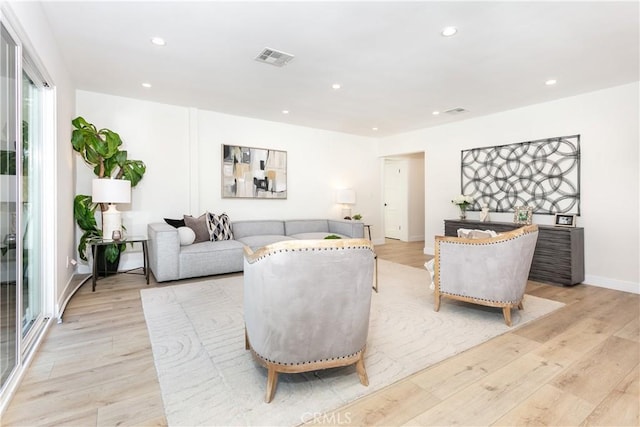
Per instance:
(105,267)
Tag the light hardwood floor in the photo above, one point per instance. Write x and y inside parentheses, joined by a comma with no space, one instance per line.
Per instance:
(577,366)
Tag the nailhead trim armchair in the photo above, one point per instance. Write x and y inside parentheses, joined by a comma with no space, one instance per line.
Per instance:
(490,271)
(307,304)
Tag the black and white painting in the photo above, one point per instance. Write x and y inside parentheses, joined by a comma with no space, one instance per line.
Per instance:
(249,172)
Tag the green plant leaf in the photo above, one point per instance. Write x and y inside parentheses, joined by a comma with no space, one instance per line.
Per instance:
(84,212)
(133,170)
(111,252)
(82,245)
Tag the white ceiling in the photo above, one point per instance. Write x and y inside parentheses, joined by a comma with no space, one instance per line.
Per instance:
(394,66)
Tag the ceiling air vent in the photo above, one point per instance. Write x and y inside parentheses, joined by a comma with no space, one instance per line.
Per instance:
(458,110)
(274,57)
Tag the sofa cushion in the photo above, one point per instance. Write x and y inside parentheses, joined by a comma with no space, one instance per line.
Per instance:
(317,236)
(257,228)
(207,258)
(255,242)
(299,226)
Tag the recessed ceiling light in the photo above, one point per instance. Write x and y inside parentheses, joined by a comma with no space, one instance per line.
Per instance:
(285,111)
(158,41)
(374,129)
(435,113)
(147,85)
(449,31)
(336,86)
(551,82)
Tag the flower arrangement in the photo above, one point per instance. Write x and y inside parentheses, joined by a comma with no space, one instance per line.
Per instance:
(463,202)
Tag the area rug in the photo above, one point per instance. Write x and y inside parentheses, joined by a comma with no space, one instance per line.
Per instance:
(208,378)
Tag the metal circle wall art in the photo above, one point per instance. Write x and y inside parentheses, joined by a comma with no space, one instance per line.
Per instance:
(542,174)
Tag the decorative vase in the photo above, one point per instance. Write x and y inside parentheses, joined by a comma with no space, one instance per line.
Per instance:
(463,212)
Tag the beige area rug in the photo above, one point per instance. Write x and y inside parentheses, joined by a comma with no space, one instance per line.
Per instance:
(208,378)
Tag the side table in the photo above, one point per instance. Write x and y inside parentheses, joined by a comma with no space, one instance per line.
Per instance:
(95,243)
(368,227)
(375,257)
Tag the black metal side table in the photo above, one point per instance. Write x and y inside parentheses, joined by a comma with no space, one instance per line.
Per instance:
(95,243)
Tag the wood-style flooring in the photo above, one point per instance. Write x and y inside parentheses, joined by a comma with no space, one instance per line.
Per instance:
(577,366)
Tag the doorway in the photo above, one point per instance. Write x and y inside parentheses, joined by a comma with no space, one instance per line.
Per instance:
(403,197)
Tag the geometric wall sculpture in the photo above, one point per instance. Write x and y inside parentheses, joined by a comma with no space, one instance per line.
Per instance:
(542,174)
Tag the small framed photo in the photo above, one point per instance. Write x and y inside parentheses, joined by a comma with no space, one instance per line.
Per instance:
(563,220)
(522,215)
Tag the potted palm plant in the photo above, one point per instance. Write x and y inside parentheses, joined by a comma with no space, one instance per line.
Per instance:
(100,149)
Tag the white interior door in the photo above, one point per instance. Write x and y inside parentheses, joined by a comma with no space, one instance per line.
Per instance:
(394,197)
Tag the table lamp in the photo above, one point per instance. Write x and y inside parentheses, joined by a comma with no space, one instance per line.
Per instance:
(111,191)
(346,197)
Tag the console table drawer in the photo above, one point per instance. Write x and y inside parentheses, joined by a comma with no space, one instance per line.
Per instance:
(559,255)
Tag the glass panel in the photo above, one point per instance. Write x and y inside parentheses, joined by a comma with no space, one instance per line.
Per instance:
(31,206)
(8,203)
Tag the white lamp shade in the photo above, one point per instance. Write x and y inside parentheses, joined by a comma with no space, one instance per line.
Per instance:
(107,190)
(346,196)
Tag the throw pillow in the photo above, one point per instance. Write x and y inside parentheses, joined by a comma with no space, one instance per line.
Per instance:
(220,227)
(187,236)
(476,234)
(199,227)
(175,222)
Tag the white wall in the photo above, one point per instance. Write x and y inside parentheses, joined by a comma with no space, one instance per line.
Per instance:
(182,150)
(608,122)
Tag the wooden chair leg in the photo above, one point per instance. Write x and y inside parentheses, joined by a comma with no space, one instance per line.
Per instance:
(520,306)
(272,383)
(506,311)
(436,301)
(362,373)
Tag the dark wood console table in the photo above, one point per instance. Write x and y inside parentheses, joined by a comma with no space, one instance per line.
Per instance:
(559,255)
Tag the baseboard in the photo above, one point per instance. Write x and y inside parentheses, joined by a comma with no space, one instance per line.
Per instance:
(72,286)
(416,238)
(429,251)
(617,285)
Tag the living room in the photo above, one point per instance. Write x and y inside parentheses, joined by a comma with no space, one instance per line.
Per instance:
(181,146)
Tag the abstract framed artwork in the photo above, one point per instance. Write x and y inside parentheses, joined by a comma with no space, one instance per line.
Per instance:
(253,173)
(543,174)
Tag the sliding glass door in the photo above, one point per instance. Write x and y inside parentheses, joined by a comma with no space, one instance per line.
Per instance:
(31,219)
(8,205)
(21,241)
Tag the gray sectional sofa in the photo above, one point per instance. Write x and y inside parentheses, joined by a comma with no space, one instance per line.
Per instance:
(170,261)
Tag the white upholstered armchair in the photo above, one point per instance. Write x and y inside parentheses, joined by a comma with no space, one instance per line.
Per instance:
(307,304)
(489,271)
